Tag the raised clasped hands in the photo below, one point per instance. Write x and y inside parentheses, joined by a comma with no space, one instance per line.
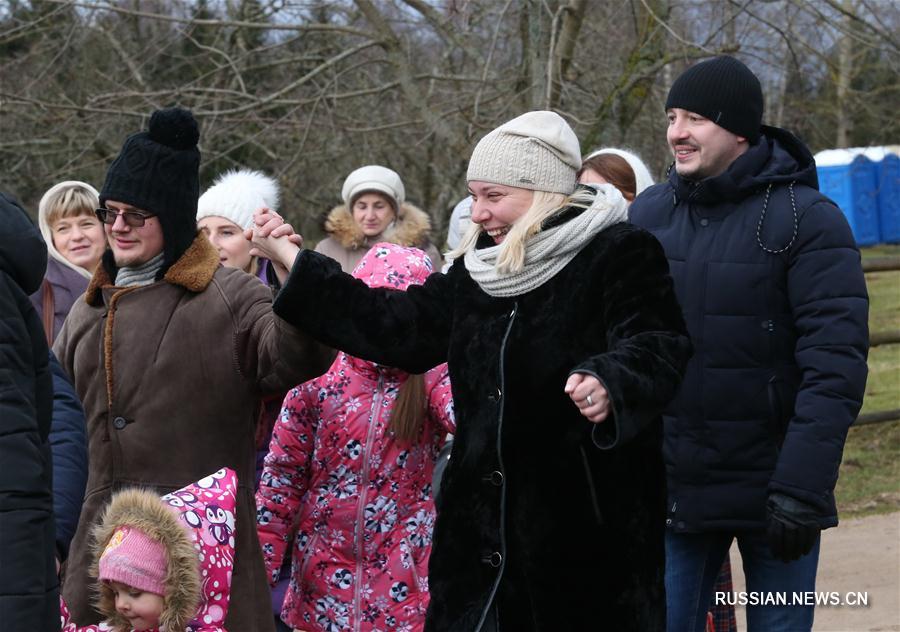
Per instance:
(275,240)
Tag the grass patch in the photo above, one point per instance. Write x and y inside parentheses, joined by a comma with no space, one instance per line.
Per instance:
(869,480)
(870,471)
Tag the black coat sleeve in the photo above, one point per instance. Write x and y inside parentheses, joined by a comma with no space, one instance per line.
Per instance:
(28,586)
(68,442)
(648,347)
(409,330)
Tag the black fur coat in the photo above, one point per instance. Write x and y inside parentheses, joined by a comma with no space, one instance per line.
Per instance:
(555,520)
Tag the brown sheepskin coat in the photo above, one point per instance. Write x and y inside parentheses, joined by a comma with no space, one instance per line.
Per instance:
(347,244)
(171,376)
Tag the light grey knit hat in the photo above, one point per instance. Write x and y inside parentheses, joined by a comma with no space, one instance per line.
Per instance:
(537,151)
(237,195)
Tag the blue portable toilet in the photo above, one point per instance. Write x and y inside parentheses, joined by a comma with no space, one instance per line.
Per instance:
(889,198)
(854,188)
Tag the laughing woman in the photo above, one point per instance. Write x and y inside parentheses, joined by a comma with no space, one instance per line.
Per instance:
(564,342)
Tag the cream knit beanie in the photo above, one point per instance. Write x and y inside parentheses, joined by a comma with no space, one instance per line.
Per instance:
(237,195)
(642,177)
(537,151)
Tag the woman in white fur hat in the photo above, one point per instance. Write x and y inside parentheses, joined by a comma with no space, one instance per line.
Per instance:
(226,209)
(223,212)
(374,209)
(564,342)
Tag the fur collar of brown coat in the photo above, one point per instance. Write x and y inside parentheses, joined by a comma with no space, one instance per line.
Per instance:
(411,228)
(193,271)
(144,510)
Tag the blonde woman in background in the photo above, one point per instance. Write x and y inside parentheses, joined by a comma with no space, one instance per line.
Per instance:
(75,242)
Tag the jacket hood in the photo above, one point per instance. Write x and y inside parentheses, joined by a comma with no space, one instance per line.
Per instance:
(196,525)
(778,157)
(47,232)
(194,271)
(23,255)
(411,228)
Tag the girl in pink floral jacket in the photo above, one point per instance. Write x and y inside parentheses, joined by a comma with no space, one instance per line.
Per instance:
(349,468)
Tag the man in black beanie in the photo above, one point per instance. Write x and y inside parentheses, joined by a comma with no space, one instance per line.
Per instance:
(770,281)
(171,354)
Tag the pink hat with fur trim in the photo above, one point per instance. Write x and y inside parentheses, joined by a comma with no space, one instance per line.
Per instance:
(132,557)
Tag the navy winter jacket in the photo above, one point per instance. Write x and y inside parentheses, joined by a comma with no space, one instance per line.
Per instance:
(770,281)
(68,442)
(29,588)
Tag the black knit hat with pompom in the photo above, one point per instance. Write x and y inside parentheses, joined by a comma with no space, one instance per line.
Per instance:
(159,171)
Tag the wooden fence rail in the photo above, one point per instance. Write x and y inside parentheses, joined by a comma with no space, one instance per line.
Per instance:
(881,264)
(890,337)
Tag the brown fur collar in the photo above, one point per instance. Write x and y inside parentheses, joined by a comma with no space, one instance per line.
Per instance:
(411,228)
(144,510)
(193,271)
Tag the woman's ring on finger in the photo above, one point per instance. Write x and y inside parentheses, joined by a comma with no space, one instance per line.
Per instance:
(589,400)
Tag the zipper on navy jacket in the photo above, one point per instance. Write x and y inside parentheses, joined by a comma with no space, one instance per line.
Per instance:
(363,494)
(490,600)
(671,517)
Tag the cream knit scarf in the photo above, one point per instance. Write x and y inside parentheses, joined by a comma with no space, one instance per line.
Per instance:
(547,252)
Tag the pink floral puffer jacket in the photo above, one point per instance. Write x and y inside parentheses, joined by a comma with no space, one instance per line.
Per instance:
(360,500)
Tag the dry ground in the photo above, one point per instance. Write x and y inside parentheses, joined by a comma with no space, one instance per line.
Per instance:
(860,555)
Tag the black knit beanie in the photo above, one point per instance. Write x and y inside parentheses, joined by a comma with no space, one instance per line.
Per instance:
(723,90)
(158,171)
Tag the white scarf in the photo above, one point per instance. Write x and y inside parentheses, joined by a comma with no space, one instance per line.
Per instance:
(548,252)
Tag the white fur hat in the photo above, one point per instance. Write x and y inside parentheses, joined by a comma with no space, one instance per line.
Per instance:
(537,151)
(237,195)
(642,177)
(374,178)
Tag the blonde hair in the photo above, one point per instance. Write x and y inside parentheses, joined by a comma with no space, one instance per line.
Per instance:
(71,198)
(68,201)
(544,205)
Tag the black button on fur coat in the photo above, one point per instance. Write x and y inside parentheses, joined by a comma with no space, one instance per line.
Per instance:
(577,516)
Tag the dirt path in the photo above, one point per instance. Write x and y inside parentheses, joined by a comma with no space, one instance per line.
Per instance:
(860,555)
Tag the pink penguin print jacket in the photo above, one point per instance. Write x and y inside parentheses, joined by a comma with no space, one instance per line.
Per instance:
(355,503)
(196,526)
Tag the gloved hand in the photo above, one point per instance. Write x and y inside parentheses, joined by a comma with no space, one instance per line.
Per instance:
(792,527)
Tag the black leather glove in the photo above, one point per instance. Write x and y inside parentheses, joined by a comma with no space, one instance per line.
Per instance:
(792,528)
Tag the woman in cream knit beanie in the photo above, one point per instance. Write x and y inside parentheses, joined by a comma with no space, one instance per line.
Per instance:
(564,342)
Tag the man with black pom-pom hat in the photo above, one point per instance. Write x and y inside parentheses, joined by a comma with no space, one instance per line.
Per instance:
(171,354)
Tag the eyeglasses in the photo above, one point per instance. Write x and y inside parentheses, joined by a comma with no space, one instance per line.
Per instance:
(134,219)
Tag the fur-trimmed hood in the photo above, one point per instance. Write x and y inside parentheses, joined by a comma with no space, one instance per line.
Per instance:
(411,228)
(196,526)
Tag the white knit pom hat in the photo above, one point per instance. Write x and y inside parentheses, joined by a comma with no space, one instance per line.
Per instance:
(537,151)
(237,195)
(374,178)
(642,177)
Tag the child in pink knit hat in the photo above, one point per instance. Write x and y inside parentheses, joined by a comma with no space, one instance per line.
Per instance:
(165,564)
